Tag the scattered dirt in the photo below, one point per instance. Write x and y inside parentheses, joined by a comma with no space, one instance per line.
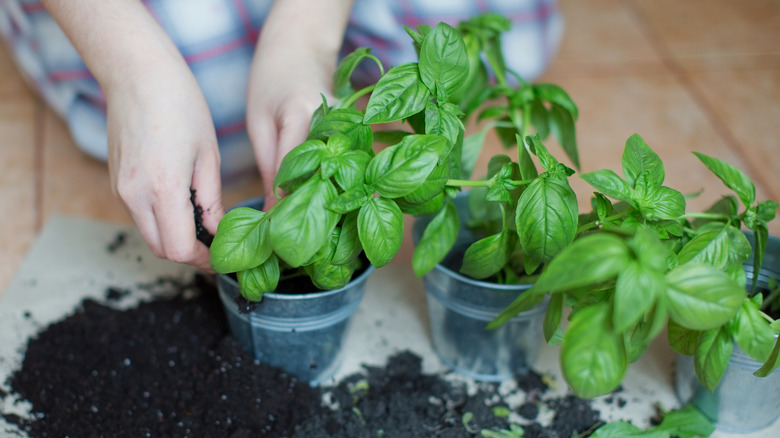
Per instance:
(169,367)
(119,241)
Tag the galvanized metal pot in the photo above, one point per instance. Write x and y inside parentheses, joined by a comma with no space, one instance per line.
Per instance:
(742,402)
(302,333)
(459,308)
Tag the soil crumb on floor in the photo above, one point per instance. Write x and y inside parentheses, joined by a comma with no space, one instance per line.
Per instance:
(168,367)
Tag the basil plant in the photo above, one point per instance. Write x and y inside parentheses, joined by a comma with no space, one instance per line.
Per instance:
(641,263)
(346,196)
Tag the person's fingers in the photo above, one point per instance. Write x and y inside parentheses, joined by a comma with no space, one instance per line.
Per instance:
(262,134)
(174,215)
(207,184)
(293,130)
(147,226)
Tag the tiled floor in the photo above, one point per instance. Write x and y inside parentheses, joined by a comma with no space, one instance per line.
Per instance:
(698,75)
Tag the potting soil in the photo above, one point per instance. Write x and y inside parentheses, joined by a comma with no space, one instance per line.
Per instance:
(169,368)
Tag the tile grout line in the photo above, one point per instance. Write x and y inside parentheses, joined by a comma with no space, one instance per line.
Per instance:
(38,138)
(719,126)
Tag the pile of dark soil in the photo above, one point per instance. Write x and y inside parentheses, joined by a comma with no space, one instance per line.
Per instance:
(168,367)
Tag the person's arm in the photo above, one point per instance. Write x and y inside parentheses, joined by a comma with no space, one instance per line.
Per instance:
(161,137)
(294,62)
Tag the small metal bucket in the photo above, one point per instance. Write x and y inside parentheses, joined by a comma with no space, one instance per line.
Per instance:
(459,308)
(302,333)
(742,402)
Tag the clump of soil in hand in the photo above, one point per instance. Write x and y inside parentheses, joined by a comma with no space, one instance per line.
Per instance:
(201,233)
(169,367)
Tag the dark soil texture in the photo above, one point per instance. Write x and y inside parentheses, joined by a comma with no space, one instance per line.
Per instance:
(169,368)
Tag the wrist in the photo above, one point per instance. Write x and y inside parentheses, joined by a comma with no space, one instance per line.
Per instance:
(316,28)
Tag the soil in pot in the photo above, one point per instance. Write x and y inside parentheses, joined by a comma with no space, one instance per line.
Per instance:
(169,367)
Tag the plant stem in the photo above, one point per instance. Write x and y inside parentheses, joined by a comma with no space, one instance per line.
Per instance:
(526,121)
(716,216)
(591,225)
(484,182)
(468,183)
(355,96)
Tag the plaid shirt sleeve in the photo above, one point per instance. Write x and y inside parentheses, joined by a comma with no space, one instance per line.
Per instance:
(217,37)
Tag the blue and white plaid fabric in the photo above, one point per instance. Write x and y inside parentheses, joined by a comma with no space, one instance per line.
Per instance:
(217,39)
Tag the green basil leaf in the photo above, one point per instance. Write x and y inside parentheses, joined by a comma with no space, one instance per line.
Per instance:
(593,358)
(444,63)
(546,159)
(589,260)
(241,241)
(399,170)
(639,337)
(712,357)
(327,276)
(348,247)
(682,340)
(734,178)
(302,222)
(348,122)
(255,282)
(341,84)
(390,136)
(603,206)
(546,219)
(350,200)
(661,203)
(753,333)
(555,94)
(398,94)
(302,160)
(638,158)
(428,207)
(761,237)
(766,211)
(444,119)
(701,297)
(381,229)
(437,239)
(686,422)
(624,429)
(487,256)
(319,113)
(540,118)
(609,183)
(720,248)
(563,128)
(771,363)
(636,291)
(524,301)
(351,168)
(552,320)
(431,187)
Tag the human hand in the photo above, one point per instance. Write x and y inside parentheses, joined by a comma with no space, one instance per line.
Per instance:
(284,90)
(162,143)
(290,71)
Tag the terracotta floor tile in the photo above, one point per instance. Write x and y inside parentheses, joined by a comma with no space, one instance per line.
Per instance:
(11,83)
(715,33)
(17,182)
(601,38)
(750,111)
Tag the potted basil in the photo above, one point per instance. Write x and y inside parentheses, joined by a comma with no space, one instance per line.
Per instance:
(747,397)
(345,201)
(643,263)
